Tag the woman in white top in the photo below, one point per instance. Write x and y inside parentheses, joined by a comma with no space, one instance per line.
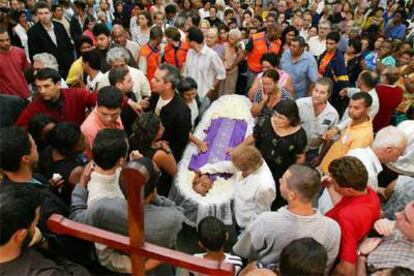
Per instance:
(22,27)
(140,32)
(254,188)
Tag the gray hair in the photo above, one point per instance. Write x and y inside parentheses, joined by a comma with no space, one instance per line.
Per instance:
(48,60)
(390,136)
(180,22)
(173,75)
(117,53)
(118,26)
(235,33)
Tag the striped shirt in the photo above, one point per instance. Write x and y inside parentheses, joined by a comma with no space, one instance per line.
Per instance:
(270,232)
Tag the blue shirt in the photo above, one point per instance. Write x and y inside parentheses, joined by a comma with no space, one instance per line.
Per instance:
(395,31)
(303,72)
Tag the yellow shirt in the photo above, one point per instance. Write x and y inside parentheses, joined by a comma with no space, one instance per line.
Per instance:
(75,72)
(359,136)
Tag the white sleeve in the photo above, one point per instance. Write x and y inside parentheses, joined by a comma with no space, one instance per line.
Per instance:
(112,259)
(219,67)
(219,167)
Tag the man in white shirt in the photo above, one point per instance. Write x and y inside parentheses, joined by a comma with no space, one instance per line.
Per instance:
(254,188)
(317,116)
(118,57)
(389,144)
(205,66)
(317,44)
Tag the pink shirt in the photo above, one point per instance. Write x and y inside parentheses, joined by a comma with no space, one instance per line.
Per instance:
(91,126)
(12,65)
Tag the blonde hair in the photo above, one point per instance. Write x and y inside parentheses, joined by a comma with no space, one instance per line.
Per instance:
(235,33)
(205,21)
(247,156)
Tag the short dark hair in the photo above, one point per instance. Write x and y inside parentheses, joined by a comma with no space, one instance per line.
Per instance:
(270,57)
(289,109)
(81,40)
(187,84)
(101,28)
(64,137)
(196,35)
(212,233)
(172,33)
(148,16)
(364,96)
(335,36)
(324,81)
(79,4)
(153,173)
(173,75)
(48,73)
(14,144)
(117,75)
(370,78)
(37,124)
(55,7)
(109,146)
(195,19)
(303,256)
(305,181)
(109,97)
(156,33)
(300,40)
(18,204)
(223,26)
(272,74)
(349,172)
(93,59)
(170,8)
(356,44)
(41,5)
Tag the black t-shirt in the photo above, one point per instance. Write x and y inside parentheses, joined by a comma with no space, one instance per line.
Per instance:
(31,262)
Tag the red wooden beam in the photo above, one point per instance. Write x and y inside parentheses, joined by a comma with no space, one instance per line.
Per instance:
(60,225)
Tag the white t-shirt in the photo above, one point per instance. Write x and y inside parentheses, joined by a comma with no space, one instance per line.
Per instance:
(194,111)
(236,261)
(160,104)
(316,47)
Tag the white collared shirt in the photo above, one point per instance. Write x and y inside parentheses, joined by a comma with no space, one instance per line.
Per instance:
(316,126)
(253,194)
(51,32)
(205,68)
(91,85)
(316,46)
(371,163)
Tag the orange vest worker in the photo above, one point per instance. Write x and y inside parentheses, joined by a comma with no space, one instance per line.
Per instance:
(152,56)
(176,55)
(260,47)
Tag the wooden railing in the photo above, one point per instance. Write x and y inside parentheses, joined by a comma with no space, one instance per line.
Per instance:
(134,179)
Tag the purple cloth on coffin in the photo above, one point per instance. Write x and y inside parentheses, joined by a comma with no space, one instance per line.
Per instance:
(222,134)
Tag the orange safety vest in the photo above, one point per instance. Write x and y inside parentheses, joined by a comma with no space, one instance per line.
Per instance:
(152,55)
(261,46)
(176,55)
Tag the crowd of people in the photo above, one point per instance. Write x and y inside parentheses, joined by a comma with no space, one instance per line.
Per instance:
(325,181)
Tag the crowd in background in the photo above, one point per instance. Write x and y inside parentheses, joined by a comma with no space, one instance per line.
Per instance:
(325,183)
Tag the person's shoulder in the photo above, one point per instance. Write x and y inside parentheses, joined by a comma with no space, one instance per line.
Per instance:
(303,102)
(135,73)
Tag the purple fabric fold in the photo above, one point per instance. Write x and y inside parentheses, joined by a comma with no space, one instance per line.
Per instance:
(222,134)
